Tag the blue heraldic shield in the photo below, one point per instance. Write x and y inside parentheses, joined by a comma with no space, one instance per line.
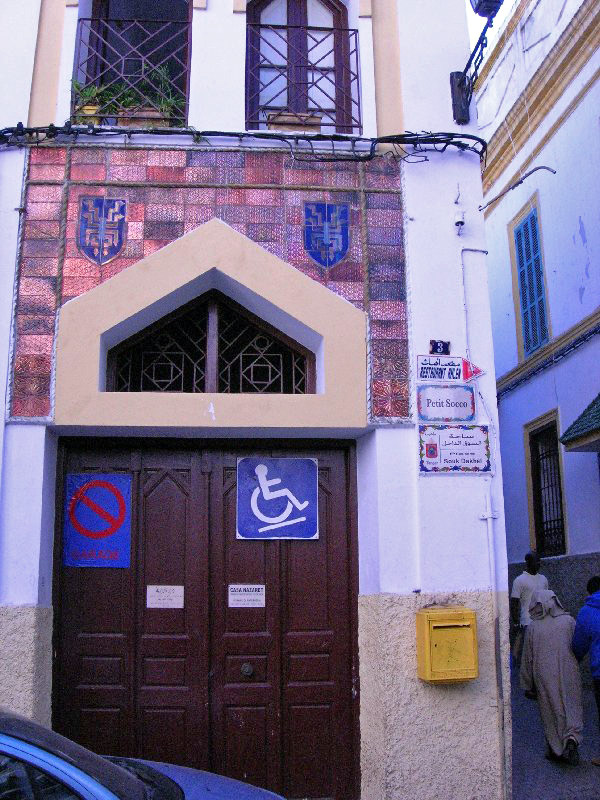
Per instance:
(326,232)
(102,228)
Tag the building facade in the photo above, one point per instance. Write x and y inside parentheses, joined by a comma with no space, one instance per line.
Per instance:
(536,101)
(221,268)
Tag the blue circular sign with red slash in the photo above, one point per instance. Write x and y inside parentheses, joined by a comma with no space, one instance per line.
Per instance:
(97,526)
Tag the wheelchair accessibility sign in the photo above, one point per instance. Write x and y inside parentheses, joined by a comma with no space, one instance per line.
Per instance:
(277,498)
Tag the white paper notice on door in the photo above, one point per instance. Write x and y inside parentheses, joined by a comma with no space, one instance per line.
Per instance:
(246,595)
(164,596)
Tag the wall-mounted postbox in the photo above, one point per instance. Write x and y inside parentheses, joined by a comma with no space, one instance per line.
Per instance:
(447,644)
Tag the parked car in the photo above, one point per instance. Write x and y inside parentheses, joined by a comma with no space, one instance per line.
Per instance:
(39,764)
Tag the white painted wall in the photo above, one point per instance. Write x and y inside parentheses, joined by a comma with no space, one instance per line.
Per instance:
(570,228)
(536,33)
(569,386)
(27,515)
(18,23)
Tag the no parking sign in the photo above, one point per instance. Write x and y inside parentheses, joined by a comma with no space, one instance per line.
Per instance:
(97,520)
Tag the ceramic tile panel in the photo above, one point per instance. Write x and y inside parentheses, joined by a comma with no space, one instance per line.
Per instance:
(165,174)
(46,172)
(89,155)
(384,200)
(44,194)
(39,267)
(273,217)
(201,158)
(47,155)
(30,406)
(88,172)
(200,175)
(164,213)
(133,174)
(128,157)
(166,158)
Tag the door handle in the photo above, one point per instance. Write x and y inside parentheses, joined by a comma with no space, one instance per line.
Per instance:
(247,670)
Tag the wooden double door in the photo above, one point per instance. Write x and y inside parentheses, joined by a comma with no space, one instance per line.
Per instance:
(263,694)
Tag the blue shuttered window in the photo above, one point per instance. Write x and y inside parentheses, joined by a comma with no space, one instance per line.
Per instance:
(531,284)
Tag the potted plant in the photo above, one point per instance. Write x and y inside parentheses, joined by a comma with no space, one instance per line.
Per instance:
(88,100)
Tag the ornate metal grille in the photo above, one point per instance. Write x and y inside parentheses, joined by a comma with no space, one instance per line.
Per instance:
(130,69)
(207,347)
(170,359)
(252,361)
(547,492)
(300,76)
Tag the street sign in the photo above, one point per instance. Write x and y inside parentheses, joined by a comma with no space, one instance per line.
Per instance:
(450,449)
(97,520)
(442,403)
(446,369)
(277,498)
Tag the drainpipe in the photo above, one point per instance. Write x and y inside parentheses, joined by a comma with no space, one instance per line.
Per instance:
(489,516)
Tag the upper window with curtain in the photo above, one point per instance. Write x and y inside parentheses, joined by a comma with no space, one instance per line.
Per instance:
(532,295)
(132,63)
(302,67)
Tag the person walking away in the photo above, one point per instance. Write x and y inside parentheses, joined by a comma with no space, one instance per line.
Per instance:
(550,671)
(523,588)
(586,638)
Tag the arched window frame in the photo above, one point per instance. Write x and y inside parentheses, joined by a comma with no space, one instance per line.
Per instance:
(297,21)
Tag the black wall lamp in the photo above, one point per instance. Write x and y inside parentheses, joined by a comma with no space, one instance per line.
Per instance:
(461,83)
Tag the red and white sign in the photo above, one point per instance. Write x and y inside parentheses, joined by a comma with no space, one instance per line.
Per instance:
(446,369)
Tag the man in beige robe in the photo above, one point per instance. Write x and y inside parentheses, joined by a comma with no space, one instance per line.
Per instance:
(550,670)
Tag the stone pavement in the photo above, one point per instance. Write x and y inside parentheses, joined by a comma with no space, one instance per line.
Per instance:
(535,778)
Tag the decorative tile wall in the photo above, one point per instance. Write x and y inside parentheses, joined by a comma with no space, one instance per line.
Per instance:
(169,193)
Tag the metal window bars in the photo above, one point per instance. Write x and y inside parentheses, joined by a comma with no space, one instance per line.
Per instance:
(300,77)
(547,492)
(131,70)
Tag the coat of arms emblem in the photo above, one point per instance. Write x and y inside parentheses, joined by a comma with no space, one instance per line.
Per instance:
(102,229)
(326,232)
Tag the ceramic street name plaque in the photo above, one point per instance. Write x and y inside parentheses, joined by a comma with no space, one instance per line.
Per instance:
(447,449)
(445,403)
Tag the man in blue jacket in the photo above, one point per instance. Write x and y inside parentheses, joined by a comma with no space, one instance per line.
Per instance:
(586,637)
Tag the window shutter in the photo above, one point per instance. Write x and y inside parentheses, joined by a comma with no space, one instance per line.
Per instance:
(531,284)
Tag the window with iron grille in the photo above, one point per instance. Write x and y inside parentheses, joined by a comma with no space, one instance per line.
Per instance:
(210,345)
(547,491)
(132,63)
(301,66)
(531,283)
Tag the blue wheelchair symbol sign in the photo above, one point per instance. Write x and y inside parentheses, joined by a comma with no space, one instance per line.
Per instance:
(277,498)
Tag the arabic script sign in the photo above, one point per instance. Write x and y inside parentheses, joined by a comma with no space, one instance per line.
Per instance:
(446,449)
(446,369)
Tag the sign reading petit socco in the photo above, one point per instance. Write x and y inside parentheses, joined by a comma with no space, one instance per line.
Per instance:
(440,403)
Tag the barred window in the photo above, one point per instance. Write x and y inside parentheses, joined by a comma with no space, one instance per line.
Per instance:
(301,66)
(547,491)
(210,345)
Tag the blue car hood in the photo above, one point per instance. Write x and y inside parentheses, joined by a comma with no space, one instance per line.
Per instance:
(199,785)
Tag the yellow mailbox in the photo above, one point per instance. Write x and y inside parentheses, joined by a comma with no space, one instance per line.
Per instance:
(447,644)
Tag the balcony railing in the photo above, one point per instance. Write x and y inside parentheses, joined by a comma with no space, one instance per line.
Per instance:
(300,77)
(131,72)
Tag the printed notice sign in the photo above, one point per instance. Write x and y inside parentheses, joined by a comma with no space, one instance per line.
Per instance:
(246,595)
(447,449)
(164,596)
(445,403)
